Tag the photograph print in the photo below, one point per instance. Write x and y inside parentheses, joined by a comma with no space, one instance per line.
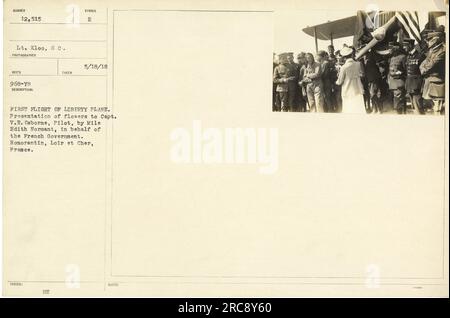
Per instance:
(364,62)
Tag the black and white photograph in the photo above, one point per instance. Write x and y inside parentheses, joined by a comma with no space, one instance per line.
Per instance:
(145,156)
(365,62)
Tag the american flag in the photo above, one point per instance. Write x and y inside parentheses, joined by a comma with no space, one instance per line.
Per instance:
(410,22)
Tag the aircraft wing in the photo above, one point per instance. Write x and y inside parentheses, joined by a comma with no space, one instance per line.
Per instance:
(334,29)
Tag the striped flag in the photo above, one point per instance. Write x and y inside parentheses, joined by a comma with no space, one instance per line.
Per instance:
(410,22)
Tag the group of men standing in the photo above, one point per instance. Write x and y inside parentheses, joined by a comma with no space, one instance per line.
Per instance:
(389,77)
(307,85)
(418,72)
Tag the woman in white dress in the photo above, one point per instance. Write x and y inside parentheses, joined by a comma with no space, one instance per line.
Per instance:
(349,79)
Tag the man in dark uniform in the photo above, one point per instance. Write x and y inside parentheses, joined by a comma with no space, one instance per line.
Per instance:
(433,70)
(397,76)
(333,75)
(413,84)
(281,77)
(373,77)
(293,88)
(322,58)
(386,100)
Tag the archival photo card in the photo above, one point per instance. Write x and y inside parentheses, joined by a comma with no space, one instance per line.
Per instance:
(363,62)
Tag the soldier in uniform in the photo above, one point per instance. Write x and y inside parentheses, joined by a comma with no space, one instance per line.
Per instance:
(433,70)
(332,60)
(373,78)
(326,74)
(397,76)
(386,100)
(413,83)
(293,89)
(281,77)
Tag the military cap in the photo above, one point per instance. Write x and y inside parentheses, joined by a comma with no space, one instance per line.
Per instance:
(282,56)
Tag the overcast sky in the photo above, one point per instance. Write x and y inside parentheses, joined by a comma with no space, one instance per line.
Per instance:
(288,25)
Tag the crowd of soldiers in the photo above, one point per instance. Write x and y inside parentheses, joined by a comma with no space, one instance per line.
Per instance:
(407,76)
